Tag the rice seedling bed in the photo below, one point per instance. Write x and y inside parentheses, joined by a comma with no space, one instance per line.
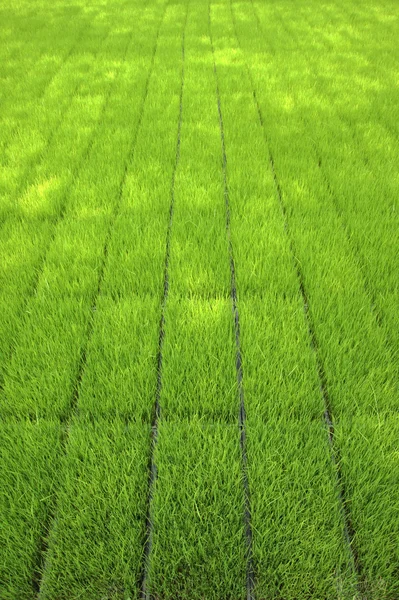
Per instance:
(198,300)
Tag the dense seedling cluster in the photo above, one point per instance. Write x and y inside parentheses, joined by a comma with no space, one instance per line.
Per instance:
(199,300)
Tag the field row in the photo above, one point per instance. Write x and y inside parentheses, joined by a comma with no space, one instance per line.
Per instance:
(87,186)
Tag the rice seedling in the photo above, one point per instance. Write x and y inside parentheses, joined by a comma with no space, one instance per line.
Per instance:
(198,300)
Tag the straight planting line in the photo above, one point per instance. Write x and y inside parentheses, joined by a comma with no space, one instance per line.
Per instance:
(349,532)
(153,471)
(250,568)
(41,583)
(375,309)
(114,217)
(42,93)
(383,118)
(23,180)
(61,215)
(65,59)
(378,314)
(362,155)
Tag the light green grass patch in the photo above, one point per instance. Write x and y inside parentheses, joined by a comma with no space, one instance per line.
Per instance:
(199,378)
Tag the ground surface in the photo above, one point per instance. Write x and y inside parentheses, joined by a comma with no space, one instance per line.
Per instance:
(199,228)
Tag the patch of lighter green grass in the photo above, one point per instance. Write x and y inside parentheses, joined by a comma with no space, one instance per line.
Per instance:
(199,376)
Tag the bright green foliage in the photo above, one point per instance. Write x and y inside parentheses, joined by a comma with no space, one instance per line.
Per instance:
(199,261)
(370,466)
(41,383)
(199,376)
(102,497)
(198,547)
(297,525)
(120,377)
(68,281)
(280,371)
(137,249)
(127,130)
(29,476)
(354,346)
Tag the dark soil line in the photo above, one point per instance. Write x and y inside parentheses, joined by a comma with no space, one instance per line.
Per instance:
(377,312)
(59,218)
(43,552)
(21,187)
(86,26)
(152,468)
(250,569)
(349,531)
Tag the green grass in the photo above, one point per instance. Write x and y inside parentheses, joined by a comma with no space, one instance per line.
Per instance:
(296,517)
(105,471)
(30,475)
(369,466)
(199,339)
(120,376)
(114,120)
(198,547)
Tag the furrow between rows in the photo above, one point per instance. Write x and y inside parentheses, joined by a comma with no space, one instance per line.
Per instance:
(358,364)
(250,569)
(39,584)
(58,220)
(346,517)
(348,526)
(145,588)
